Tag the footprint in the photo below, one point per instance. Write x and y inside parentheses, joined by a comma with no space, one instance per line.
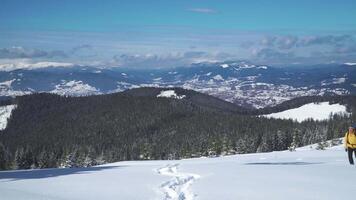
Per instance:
(178,188)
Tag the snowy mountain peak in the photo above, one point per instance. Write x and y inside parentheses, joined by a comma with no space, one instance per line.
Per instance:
(6,84)
(7,90)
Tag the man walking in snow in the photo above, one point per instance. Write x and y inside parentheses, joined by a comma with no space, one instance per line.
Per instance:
(350,142)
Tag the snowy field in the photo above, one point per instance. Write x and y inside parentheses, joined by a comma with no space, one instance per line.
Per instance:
(304,174)
(317,111)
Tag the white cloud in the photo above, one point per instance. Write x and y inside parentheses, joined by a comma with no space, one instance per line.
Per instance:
(203,10)
(167,60)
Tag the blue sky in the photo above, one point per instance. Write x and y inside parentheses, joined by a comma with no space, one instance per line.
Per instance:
(177,32)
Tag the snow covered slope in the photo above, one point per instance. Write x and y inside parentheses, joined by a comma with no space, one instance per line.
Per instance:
(304,174)
(170,94)
(5,113)
(316,111)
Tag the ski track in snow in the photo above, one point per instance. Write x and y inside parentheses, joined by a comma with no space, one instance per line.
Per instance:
(178,188)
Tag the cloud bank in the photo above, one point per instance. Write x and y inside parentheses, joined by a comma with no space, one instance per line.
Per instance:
(290,49)
(272,49)
(21,52)
(28,64)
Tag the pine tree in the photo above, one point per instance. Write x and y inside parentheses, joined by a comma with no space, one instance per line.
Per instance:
(4,157)
(295,141)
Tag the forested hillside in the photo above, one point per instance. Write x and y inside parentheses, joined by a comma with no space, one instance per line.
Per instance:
(48,130)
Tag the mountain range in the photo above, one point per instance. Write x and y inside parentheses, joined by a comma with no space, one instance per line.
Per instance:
(239,82)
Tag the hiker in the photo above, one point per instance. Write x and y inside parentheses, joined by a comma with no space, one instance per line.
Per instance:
(350,143)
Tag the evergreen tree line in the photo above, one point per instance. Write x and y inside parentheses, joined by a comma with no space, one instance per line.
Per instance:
(47,130)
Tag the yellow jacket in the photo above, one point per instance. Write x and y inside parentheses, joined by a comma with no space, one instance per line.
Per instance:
(350,140)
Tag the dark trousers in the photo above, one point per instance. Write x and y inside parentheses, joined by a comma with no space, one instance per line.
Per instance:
(350,151)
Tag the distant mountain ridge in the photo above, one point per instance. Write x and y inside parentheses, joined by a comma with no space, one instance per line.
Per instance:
(239,82)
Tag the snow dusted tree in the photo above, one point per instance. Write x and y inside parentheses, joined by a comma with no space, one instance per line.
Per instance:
(264,146)
(24,158)
(46,159)
(241,147)
(296,140)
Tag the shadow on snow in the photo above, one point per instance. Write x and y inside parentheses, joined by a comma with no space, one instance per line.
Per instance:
(47,173)
(283,163)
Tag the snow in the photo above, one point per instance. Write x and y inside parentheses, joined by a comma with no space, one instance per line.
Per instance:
(316,111)
(224,65)
(157,79)
(5,113)
(350,63)
(303,174)
(326,143)
(7,84)
(333,81)
(74,88)
(170,94)
(262,67)
(339,80)
(178,186)
(247,66)
(7,90)
(218,77)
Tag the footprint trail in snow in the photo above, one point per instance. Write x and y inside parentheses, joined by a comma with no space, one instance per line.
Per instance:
(178,188)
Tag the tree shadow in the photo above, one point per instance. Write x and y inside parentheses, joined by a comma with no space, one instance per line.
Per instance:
(283,163)
(47,173)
